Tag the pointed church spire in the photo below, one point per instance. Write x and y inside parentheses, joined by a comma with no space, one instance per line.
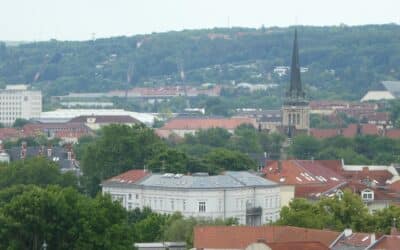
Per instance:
(295,89)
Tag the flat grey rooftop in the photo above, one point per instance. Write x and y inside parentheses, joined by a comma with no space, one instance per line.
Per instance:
(229,180)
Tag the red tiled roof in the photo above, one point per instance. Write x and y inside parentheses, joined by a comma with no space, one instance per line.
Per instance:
(369,129)
(378,176)
(323,133)
(357,187)
(207,123)
(387,242)
(315,191)
(239,237)
(354,240)
(70,134)
(376,116)
(311,178)
(350,132)
(302,172)
(130,176)
(328,104)
(9,133)
(311,245)
(393,133)
(395,186)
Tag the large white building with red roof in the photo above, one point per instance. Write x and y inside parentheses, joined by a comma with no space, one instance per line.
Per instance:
(247,197)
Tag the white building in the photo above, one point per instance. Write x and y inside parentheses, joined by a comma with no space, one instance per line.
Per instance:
(251,199)
(377,95)
(17,101)
(64,115)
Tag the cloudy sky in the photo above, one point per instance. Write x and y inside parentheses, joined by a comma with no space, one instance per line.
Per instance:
(81,19)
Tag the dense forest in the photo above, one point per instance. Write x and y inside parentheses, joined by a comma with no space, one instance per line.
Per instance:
(343,61)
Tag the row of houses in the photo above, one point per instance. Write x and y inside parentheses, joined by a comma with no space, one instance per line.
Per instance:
(69,131)
(288,238)
(378,186)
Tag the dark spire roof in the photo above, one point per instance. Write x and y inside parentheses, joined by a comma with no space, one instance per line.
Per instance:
(295,90)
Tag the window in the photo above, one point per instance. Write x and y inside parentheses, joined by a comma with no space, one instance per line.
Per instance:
(137,196)
(298,118)
(129,196)
(184,205)
(202,206)
(172,205)
(367,194)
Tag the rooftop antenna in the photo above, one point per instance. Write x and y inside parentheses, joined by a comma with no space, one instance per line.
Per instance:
(93,36)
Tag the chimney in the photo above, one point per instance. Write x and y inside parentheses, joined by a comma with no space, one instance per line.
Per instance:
(49,151)
(373,239)
(23,149)
(1,146)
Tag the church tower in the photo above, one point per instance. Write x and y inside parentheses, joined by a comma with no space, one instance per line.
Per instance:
(295,110)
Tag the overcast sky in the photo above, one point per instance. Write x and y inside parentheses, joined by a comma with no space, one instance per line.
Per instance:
(80,19)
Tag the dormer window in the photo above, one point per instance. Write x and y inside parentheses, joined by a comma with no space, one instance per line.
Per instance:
(339,194)
(367,195)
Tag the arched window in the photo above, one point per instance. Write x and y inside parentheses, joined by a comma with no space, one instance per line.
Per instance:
(290,118)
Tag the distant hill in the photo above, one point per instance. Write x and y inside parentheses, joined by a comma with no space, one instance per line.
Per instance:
(342,61)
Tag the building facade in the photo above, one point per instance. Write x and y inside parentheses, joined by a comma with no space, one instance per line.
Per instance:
(295,110)
(17,101)
(249,198)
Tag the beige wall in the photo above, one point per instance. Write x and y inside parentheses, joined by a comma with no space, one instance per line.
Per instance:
(287,194)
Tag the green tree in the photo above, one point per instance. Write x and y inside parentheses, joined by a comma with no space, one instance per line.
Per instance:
(222,159)
(64,219)
(246,139)
(302,213)
(304,147)
(38,171)
(215,137)
(169,161)
(19,123)
(118,148)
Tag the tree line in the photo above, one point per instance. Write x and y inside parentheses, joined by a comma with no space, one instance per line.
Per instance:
(360,56)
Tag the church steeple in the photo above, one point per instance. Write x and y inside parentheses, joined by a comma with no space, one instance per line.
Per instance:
(295,110)
(295,89)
